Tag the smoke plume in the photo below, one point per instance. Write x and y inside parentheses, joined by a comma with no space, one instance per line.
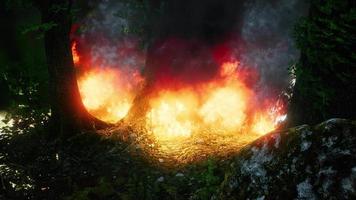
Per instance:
(189,39)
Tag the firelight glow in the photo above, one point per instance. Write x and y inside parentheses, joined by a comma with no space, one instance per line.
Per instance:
(225,108)
(103,94)
(221,105)
(219,111)
(228,68)
(263,124)
(172,114)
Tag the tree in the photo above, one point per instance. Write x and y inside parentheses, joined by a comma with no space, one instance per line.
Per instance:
(170,20)
(68,112)
(326,73)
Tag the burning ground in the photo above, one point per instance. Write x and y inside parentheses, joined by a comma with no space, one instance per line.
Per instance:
(191,93)
(192,99)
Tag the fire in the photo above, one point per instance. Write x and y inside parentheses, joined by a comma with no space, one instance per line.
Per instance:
(224,108)
(104,95)
(75,54)
(172,114)
(228,68)
(263,124)
(219,106)
(222,112)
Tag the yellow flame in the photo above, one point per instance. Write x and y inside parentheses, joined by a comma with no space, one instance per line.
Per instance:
(104,96)
(221,105)
(263,124)
(224,108)
(172,114)
(218,106)
(186,121)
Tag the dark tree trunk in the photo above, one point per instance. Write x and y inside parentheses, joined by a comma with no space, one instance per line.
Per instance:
(326,74)
(69,115)
(208,22)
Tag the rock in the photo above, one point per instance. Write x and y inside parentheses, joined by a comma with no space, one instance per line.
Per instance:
(301,163)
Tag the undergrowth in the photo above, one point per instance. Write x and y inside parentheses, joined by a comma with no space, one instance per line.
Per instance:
(34,165)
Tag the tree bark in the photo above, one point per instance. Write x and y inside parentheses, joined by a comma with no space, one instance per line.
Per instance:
(326,79)
(69,115)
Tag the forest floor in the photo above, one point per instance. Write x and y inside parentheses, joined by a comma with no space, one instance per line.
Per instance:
(178,152)
(108,165)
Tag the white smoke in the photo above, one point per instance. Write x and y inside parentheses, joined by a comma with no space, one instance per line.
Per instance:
(105,32)
(267,34)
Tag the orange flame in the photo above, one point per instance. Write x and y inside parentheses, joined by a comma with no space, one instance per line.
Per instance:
(222,112)
(220,106)
(263,124)
(75,54)
(105,94)
(228,68)
(172,114)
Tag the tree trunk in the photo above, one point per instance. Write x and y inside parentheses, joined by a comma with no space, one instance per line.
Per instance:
(69,115)
(325,75)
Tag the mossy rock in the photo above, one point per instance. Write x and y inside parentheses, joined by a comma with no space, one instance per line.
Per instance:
(300,163)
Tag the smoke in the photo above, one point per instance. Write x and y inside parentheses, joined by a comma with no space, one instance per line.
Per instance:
(190,38)
(176,62)
(209,21)
(268,44)
(103,40)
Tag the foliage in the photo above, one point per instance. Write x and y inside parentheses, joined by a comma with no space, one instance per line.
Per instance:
(88,166)
(326,72)
(41,28)
(17,3)
(23,70)
(209,180)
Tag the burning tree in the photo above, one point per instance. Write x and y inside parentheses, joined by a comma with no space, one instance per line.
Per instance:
(184,86)
(68,112)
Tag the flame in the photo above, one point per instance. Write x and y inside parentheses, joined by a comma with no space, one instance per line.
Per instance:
(104,95)
(219,106)
(263,124)
(224,108)
(172,114)
(75,54)
(228,68)
(223,111)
